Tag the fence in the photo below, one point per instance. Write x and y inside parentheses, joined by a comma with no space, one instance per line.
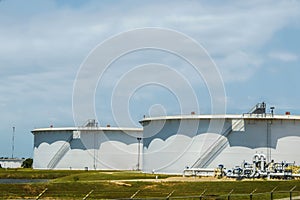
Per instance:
(272,195)
(139,195)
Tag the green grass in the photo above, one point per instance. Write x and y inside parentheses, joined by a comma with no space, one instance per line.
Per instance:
(123,184)
(35,174)
(77,190)
(69,175)
(108,175)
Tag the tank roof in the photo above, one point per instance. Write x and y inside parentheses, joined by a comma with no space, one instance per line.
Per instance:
(226,116)
(86,129)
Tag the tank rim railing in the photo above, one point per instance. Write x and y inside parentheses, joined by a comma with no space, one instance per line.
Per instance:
(254,115)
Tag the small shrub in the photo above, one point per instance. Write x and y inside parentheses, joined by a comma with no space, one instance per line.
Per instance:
(75,178)
(27,163)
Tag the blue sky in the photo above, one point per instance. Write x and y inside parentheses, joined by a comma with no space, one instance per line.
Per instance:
(255,45)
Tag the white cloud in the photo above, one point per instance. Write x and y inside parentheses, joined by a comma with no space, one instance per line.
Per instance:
(283,56)
(43,44)
(62,36)
(238,66)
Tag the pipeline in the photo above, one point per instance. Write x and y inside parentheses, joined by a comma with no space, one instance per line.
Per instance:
(259,168)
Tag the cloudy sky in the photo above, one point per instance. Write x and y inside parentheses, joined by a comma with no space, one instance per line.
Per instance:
(254,44)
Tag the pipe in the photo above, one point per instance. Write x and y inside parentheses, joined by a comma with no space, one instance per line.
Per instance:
(262,162)
(256,158)
(252,175)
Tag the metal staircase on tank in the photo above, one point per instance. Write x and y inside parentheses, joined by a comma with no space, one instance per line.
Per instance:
(91,123)
(259,108)
(66,146)
(60,153)
(220,143)
(214,150)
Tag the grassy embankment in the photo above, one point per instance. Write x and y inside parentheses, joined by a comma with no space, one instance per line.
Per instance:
(122,184)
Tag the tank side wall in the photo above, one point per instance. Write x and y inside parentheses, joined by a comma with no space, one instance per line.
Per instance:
(91,150)
(168,152)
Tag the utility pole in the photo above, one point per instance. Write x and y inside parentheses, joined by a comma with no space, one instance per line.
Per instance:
(13,142)
(139,144)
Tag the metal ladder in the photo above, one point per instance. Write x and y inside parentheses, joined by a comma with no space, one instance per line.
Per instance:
(60,153)
(219,145)
(259,108)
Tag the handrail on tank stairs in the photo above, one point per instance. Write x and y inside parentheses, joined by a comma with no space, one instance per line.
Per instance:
(60,153)
(259,108)
(216,147)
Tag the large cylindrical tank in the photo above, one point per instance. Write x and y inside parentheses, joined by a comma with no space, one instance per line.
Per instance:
(87,148)
(174,143)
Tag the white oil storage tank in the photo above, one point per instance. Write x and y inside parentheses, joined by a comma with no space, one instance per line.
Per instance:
(90,148)
(175,143)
